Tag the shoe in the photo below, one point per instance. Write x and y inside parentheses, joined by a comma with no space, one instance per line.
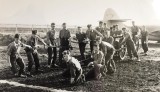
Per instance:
(39,71)
(15,74)
(29,74)
(54,66)
(83,78)
(22,76)
(48,66)
(138,60)
(130,59)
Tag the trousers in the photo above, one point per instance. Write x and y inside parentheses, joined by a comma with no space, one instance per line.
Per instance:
(144,44)
(82,49)
(52,59)
(20,63)
(33,58)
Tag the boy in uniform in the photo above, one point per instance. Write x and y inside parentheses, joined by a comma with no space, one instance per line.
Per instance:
(106,29)
(98,64)
(52,49)
(144,40)
(13,54)
(32,54)
(91,35)
(108,51)
(130,44)
(81,37)
(64,36)
(135,31)
(108,38)
(100,27)
(74,69)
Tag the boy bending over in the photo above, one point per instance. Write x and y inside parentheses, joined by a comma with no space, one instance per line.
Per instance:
(98,63)
(74,69)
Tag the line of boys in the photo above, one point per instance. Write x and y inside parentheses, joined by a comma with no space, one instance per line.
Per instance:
(94,36)
(13,50)
(31,48)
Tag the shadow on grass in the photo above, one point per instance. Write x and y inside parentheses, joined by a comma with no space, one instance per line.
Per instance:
(49,78)
(6,73)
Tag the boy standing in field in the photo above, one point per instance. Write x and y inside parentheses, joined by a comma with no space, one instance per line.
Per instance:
(106,34)
(144,40)
(100,27)
(65,42)
(81,37)
(14,56)
(130,44)
(32,54)
(106,29)
(52,49)
(91,35)
(135,31)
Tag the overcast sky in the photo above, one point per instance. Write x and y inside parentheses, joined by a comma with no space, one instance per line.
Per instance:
(76,12)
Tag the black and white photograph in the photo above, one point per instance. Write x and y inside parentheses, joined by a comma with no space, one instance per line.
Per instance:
(79,45)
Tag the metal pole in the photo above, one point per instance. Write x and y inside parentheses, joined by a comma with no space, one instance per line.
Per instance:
(47,27)
(16,29)
(32,26)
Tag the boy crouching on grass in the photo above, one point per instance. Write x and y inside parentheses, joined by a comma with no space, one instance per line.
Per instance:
(74,69)
(99,68)
(13,52)
(108,51)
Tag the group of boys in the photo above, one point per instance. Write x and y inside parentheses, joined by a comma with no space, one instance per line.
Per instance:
(101,47)
(101,41)
(31,46)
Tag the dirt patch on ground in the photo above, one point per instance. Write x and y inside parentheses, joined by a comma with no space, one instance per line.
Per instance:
(131,76)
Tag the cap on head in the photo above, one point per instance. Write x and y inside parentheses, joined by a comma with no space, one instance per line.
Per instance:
(114,26)
(100,22)
(133,21)
(17,36)
(64,24)
(66,52)
(123,28)
(52,23)
(89,25)
(34,31)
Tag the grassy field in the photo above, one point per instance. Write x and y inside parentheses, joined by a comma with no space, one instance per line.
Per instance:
(130,76)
